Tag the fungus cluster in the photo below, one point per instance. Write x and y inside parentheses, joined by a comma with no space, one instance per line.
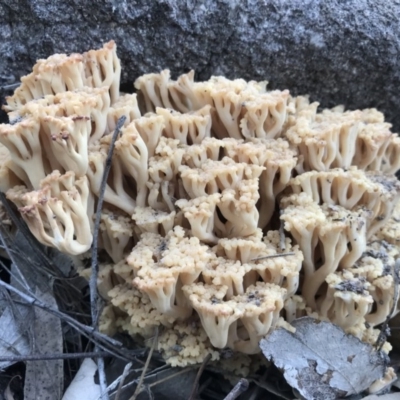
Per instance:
(229,209)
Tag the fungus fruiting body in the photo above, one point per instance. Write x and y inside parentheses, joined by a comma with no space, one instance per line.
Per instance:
(229,209)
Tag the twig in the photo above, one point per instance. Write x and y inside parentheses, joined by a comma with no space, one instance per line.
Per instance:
(149,393)
(199,373)
(139,385)
(95,265)
(102,376)
(290,253)
(238,389)
(384,332)
(55,356)
(156,371)
(121,380)
(169,377)
(10,86)
(127,385)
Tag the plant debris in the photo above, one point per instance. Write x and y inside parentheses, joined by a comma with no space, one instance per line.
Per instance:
(321,361)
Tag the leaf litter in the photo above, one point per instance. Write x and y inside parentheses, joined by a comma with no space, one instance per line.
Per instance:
(321,361)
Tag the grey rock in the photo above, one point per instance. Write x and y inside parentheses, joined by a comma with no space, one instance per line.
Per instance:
(338,51)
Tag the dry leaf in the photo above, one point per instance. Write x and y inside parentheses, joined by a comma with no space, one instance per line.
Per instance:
(321,361)
(13,338)
(43,379)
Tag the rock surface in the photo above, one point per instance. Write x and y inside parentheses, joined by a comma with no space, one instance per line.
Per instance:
(338,51)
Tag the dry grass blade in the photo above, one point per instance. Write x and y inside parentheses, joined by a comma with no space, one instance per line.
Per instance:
(291,253)
(94,307)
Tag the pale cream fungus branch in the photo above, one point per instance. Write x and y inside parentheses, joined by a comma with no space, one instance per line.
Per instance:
(215,176)
(329,237)
(11,174)
(190,128)
(201,213)
(153,221)
(58,214)
(69,142)
(26,151)
(90,103)
(372,276)
(240,109)
(210,149)
(117,234)
(257,310)
(127,106)
(376,192)
(61,73)
(180,261)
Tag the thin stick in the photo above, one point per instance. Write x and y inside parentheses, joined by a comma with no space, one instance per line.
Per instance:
(238,389)
(139,385)
(10,86)
(199,373)
(170,377)
(122,379)
(55,356)
(95,265)
(102,376)
(156,371)
(291,253)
